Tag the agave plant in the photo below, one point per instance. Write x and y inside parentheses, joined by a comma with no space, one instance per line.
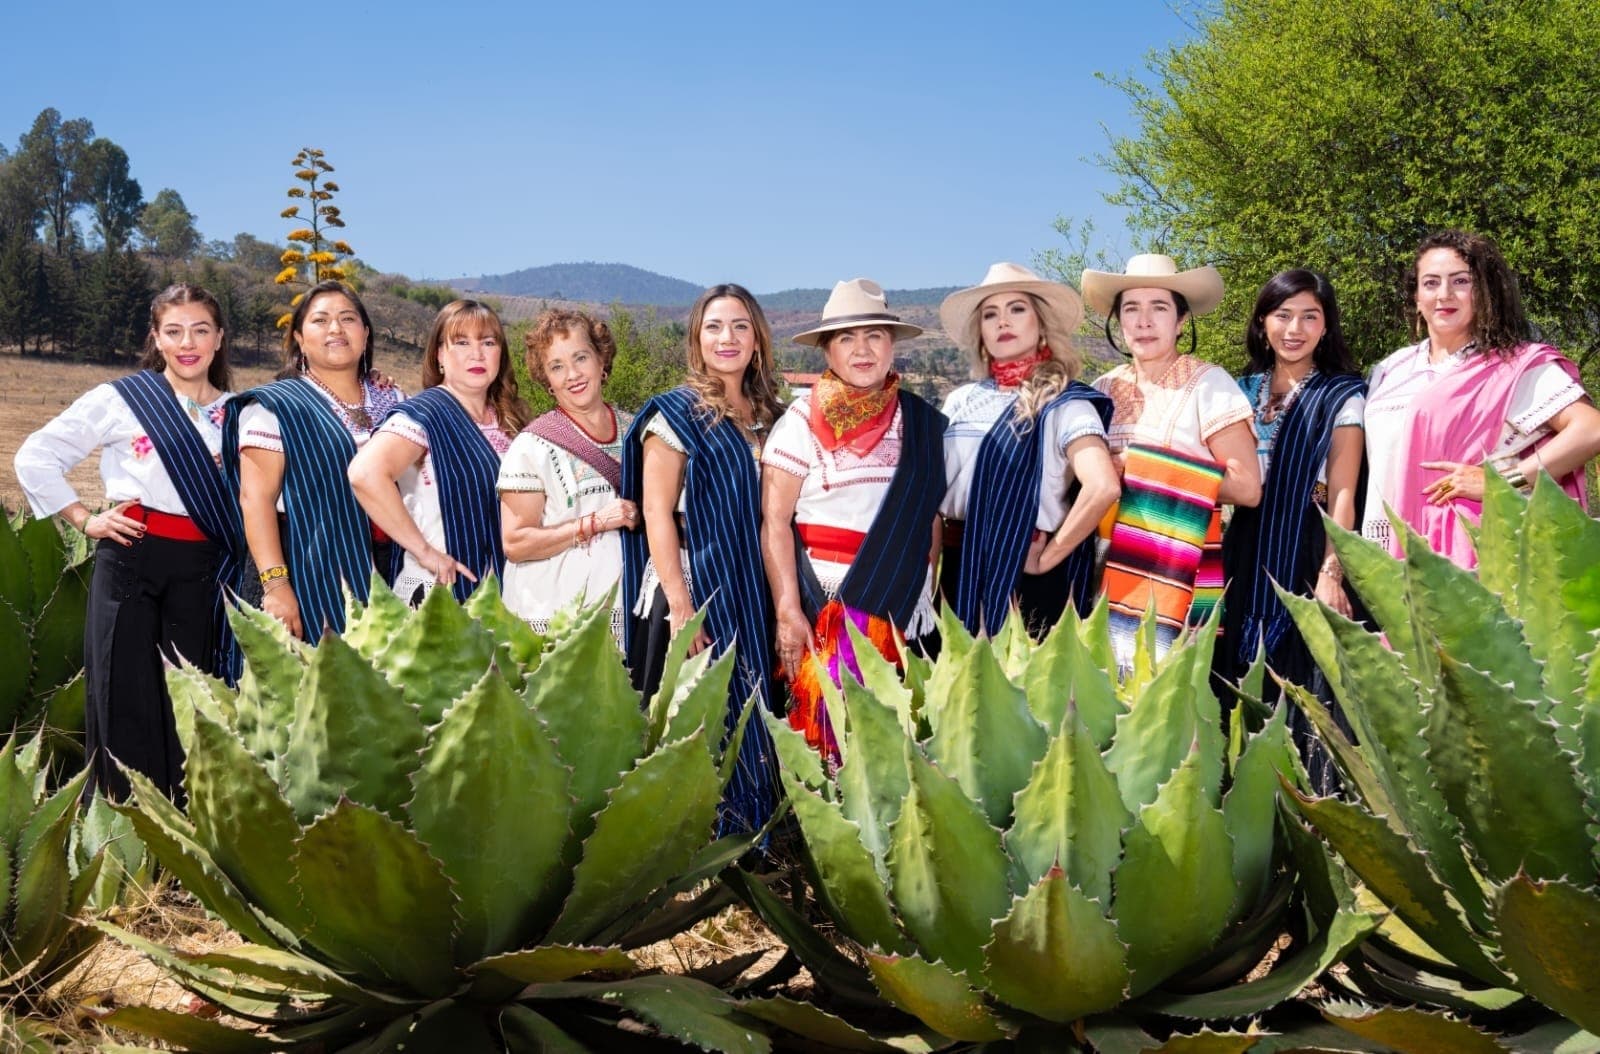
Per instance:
(428,829)
(1476,777)
(44,592)
(1021,844)
(54,864)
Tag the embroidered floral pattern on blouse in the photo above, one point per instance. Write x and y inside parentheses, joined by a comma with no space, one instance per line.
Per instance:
(142,447)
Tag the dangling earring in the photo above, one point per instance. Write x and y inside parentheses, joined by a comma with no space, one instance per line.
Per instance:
(1044,350)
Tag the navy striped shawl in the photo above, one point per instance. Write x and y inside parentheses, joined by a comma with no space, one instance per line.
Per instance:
(201,486)
(887,575)
(1282,538)
(328,544)
(465,469)
(1002,508)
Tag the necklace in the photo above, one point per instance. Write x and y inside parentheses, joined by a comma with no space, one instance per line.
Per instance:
(597,440)
(355,413)
(1270,410)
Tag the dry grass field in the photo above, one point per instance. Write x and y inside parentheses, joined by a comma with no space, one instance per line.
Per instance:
(33,390)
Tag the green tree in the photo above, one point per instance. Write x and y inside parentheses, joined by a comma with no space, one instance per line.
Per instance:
(110,192)
(254,253)
(1334,134)
(113,304)
(23,289)
(649,360)
(168,229)
(51,153)
(21,206)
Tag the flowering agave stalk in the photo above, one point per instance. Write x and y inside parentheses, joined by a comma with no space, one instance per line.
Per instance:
(1477,775)
(424,827)
(54,863)
(44,592)
(1021,845)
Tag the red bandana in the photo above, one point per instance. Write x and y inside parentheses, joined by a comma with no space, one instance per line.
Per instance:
(842,416)
(1012,372)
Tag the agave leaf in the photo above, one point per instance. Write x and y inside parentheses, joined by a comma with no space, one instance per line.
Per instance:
(243,821)
(188,1031)
(955,644)
(879,676)
(520,646)
(432,677)
(1250,807)
(47,557)
(1012,646)
(873,779)
(354,736)
(400,929)
(845,869)
(935,995)
(1154,737)
(274,667)
(42,886)
(63,804)
(1174,888)
(666,804)
(1070,814)
(16,578)
(1412,1030)
(834,1033)
(370,628)
(244,993)
(1056,955)
(523,1029)
(1369,567)
(1358,770)
(1394,869)
(986,737)
(583,695)
(681,1007)
(1062,672)
(293,971)
(1550,940)
(1289,976)
(555,962)
(795,755)
(58,633)
(702,703)
(1564,564)
(845,982)
(490,757)
(676,666)
(1500,544)
(949,873)
(16,666)
(16,795)
(1484,741)
(1207,1041)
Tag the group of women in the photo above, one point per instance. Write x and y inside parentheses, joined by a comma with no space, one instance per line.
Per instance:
(859,505)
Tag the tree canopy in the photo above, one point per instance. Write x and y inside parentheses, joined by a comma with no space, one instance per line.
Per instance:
(1334,134)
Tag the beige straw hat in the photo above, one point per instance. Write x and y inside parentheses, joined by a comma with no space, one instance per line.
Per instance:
(1200,286)
(858,302)
(957,312)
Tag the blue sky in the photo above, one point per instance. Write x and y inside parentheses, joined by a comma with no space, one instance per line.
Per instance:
(775,145)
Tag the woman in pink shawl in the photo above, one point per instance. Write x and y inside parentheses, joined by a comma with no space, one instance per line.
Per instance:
(1476,391)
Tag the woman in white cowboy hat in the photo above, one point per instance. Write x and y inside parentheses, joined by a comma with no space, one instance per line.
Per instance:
(1029,473)
(850,488)
(1181,434)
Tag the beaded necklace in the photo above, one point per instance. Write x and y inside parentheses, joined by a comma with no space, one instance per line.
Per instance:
(355,413)
(1270,411)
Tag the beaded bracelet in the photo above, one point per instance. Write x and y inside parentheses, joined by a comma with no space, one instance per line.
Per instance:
(273,573)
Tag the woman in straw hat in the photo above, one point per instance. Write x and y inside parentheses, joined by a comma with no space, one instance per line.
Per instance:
(1181,433)
(1476,389)
(851,480)
(1029,472)
(691,464)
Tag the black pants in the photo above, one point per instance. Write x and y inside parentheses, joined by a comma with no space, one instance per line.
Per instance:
(148,602)
(1042,598)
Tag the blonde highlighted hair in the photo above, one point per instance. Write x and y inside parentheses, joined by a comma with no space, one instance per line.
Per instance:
(477,318)
(1049,379)
(759,383)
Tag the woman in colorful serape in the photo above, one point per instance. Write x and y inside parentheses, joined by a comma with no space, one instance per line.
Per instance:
(286,448)
(165,547)
(850,488)
(562,520)
(1030,474)
(1478,388)
(691,463)
(1182,440)
(1308,402)
(427,477)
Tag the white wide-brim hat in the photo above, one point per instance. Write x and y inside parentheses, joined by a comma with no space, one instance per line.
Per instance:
(958,309)
(858,302)
(1200,286)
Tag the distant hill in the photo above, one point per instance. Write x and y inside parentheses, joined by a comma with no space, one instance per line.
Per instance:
(601,283)
(609,283)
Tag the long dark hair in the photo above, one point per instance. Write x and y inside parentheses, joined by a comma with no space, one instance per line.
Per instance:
(294,358)
(1498,322)
(1331,355)
(219,374)
(1179,301)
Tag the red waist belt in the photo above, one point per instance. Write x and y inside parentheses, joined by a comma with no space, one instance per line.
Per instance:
(166,525)
(833,544)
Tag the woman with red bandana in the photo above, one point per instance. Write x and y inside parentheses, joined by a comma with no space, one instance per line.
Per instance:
(850,487)
(1030,475)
